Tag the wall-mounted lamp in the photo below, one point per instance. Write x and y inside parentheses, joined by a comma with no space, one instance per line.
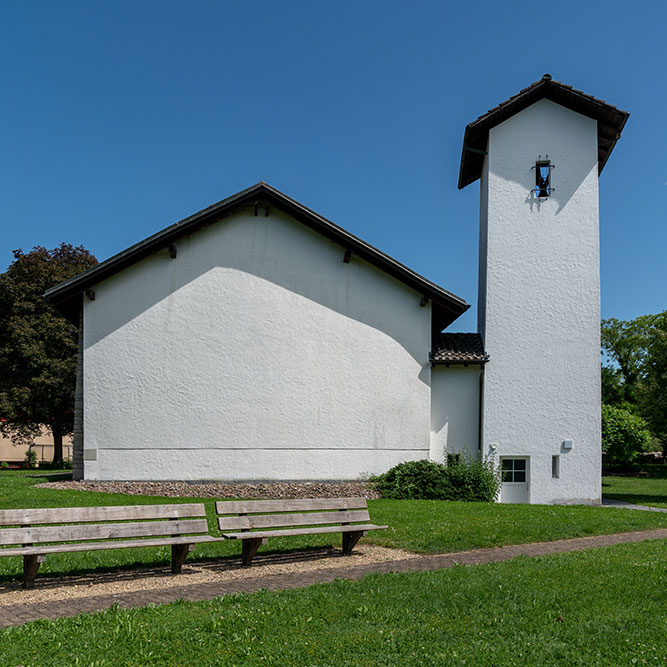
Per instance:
(543,169)
(567,445)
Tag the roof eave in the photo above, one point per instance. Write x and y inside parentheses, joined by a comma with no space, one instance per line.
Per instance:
(459,362)
(476,133)
(61,296)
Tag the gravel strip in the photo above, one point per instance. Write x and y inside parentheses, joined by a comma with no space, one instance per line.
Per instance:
(268,490)
(51,589)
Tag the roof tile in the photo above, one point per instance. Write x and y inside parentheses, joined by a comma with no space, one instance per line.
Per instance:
(458,348)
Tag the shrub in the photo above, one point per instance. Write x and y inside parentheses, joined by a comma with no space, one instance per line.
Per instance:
(4,465)
(475,479)
(30,460)
(624,435)
(464,478)
(412,479)
(65,464)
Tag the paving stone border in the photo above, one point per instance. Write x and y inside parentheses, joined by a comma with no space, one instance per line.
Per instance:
(21,614)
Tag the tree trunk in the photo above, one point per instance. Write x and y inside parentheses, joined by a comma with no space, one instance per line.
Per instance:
(57,446)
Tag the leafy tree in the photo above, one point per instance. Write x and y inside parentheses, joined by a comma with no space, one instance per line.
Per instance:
(613,390)
(653,397)
(37,346)
(624,435)
(626,345)
(634,377)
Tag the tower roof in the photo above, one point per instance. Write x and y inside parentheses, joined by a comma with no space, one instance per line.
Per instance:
(610,120)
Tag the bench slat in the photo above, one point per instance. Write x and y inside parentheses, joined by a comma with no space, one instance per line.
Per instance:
(279,520)
(301,531)
(89,546)
(302,505)
(109,513)
(101,531)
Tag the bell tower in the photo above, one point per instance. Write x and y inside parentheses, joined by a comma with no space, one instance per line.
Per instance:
(538,156)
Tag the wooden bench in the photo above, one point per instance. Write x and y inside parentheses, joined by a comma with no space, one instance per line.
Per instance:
(34,533)
(254,521)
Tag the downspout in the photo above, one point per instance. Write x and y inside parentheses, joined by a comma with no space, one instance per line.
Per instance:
(77,444)
(480,411)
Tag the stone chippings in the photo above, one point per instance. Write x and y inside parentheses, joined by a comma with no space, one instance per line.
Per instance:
(266,490)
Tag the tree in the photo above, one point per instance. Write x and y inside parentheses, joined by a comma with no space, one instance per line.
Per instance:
(653,397)
(625,344)
(635,375)
(38,347)
(613,390)
(624,435)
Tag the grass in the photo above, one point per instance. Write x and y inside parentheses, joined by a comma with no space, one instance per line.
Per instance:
(639,490)
(599,607)
(422,526)
(450,526)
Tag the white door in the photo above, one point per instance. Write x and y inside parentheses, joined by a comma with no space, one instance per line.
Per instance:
(515,472)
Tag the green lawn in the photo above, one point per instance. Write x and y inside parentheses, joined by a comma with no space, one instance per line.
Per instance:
(639,490)
(422,526)
(599,607)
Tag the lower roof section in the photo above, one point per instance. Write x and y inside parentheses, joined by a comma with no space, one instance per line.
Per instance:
(458,348)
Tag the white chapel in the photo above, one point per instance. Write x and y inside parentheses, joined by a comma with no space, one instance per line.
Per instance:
(257,340)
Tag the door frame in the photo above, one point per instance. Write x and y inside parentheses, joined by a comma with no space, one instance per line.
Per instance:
(516,485)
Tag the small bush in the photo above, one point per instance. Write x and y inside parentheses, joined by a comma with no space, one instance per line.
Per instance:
(461,479)
(4,465)
(475,480)
(624,435)
(65,464)
(30,460)
(413,479)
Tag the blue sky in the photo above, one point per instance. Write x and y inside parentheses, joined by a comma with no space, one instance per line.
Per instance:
(119,118)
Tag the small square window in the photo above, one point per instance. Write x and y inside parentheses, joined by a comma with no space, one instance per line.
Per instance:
(514,470)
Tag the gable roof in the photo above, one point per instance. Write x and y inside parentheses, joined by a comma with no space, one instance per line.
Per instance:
(458,348)
(66,296)
(610,122)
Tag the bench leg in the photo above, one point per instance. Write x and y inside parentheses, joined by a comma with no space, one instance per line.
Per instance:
(178,555)
(249,549)
(30,567)
(350,539)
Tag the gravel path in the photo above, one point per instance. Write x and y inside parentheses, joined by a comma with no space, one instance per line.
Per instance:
(53,605)
(268,490)
(51,589)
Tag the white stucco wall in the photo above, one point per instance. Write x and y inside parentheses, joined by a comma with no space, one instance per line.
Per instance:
(454,411)
(255,354)
(539,301)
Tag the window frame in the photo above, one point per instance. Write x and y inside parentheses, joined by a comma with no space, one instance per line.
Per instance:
(512,471)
